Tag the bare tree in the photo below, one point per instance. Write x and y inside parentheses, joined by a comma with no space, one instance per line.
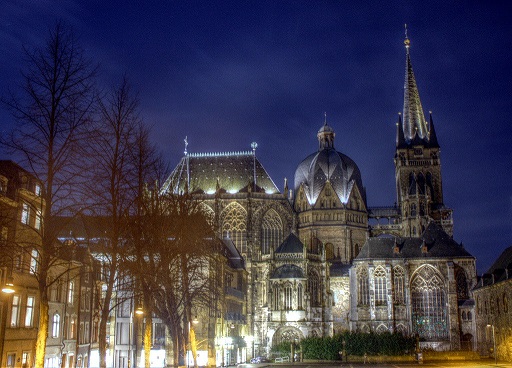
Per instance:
(51,109)
(112,192)
(177,262)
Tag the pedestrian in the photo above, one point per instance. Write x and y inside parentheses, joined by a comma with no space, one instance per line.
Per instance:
(365,359)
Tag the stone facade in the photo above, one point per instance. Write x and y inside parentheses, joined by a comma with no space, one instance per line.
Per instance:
(493,315)
(320,260)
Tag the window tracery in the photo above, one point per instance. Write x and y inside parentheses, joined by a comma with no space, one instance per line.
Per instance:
(428,304)
(398,284)
(288,297)
(363,296)
(379,277)
(314,288)
(271,231)
(234,226)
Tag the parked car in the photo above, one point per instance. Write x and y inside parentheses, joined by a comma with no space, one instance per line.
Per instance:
(259,359)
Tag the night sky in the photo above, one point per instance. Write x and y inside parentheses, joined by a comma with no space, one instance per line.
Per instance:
(226,74)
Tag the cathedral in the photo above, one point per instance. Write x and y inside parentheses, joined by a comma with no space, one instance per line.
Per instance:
(321,260)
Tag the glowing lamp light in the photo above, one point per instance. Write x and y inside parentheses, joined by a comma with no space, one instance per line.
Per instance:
(139,311)
(232,191)
(210,191)
(9,285)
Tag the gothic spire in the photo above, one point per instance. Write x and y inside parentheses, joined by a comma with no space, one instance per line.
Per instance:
(414,120)
(432,133)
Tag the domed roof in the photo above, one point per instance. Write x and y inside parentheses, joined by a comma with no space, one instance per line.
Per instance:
(328,165)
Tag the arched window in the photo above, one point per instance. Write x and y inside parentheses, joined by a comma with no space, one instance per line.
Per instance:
(271,231)
(56,325)
(462,285)
(428,299)
(288,297)
(234,226)
(464,316)
(314,288)
(412,184)
(300,295)
(398,285)
(470,316)
(275,297)
(505,303)
(379,278)
(413,210)
(363,296)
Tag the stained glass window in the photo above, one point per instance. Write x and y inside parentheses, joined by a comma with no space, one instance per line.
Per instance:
(429,319)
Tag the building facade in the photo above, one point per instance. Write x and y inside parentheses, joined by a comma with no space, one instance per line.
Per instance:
(493,316)
(320,260)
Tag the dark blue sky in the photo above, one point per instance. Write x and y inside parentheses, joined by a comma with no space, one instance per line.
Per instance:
(226,73)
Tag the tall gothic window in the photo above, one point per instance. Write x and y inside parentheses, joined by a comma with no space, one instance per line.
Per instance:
(428,301)
(271,231)
(234,226)
(288,297)
(363,297)
(275,297)
(300,295)
(314,288)
(462,284)
(398,285)
(379,277)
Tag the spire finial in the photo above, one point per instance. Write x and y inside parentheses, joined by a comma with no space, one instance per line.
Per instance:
(325,118)
(186,144)
(406,41)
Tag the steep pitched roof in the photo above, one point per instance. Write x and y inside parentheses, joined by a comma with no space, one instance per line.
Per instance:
(433,243)
(291,244)
(230,172)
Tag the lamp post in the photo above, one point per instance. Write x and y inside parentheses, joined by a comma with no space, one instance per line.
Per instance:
(8,288)
(494,343)
(194,321)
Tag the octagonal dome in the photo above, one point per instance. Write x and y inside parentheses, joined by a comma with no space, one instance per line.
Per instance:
(328,165)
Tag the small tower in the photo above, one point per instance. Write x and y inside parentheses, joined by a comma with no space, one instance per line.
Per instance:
(417,164)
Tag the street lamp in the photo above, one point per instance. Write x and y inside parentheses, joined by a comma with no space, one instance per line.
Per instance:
(9,285)
(494,344)
(194,321)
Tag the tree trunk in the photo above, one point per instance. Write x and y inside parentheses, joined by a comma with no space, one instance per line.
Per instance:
(42,332)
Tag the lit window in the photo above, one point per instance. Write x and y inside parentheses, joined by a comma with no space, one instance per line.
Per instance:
(25,211)
(288,296)
(71,291)
(299,296)
(34,257)
(429,315)
(37,190)
(37,223)
(56,325)
(380,286)
(15,310)
(234,226)
(29,312)
(25,359)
